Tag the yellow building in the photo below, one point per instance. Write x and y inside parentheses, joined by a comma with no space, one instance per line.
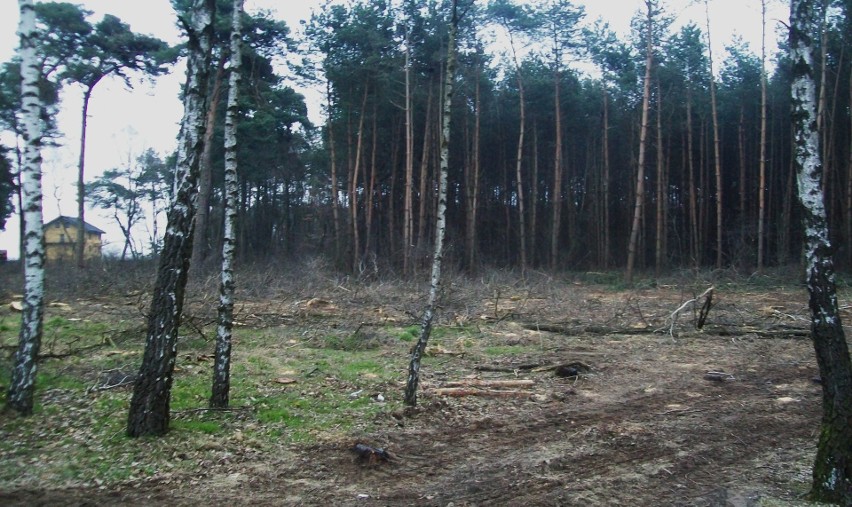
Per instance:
(60,236)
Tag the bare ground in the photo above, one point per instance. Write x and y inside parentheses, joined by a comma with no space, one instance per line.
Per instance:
(645,426)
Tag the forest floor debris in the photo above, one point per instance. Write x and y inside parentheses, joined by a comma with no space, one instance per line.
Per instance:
(633,423)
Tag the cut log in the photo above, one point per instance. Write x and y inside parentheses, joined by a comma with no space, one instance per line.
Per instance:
(490,383)
(472,391)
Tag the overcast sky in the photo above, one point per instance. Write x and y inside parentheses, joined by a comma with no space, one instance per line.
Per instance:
(123,123)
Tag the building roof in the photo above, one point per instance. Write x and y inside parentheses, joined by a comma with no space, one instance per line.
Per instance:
(72,222)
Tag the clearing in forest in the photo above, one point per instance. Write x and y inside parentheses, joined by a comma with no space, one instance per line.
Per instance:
(568,390)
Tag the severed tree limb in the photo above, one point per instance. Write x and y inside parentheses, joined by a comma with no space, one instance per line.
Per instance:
(491,383)
(508,369)
(705,309)
(472,391)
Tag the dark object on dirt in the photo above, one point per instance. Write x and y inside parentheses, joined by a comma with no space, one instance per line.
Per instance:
(572,370)
(718,376)
(817,380)
(370,455)
(705,309)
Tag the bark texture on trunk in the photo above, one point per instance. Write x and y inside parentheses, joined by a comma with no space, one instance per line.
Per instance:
(225,317)
(440,226)
(717,150)
(22,384)
(832,473)
(761,198)
(643,141)
(201,241)
(149,406)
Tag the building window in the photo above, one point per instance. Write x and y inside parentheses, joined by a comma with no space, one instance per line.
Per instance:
(62,238)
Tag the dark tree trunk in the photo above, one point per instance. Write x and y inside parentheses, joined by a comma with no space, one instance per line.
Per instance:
(633,243)
(201,242)
(80,244)
(149,406)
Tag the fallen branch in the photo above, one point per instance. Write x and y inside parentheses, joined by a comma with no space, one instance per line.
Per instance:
(491,383)
(73,352)
(506,369)
(590,329)
(705,309)
(465,391)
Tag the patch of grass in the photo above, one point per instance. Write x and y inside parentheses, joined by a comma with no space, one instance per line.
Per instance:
(77,437)
(409,333)
(504,350)
(206,427)
(50,380)
(347,342)
(610,279)
(9,324)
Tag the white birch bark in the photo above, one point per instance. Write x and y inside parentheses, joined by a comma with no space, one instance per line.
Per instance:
(440,226)
(149,406)
(222,363)
(22,385)
(832,472)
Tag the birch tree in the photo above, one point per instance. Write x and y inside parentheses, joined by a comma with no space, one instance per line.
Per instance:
(149,406)
(440,225)
(22,385)
(222,364)
(832,473)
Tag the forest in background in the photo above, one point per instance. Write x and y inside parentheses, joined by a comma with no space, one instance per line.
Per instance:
(545,158)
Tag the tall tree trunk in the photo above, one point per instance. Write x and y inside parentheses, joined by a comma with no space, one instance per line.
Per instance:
(822,96)
(741,148)
(848,210)
(80,243)
(440,224)
(335,200)
(534,197)
(556,219)
(200,243)
(832,473)
(353,186)
(659,253)
(424,174)
(605,179)
(643,141)
(225,316)
(371,188)
(472,186)
(519,181)
(717,150)
(761,198)
(149,406)
(22,384)
(408,217)
(695,247)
